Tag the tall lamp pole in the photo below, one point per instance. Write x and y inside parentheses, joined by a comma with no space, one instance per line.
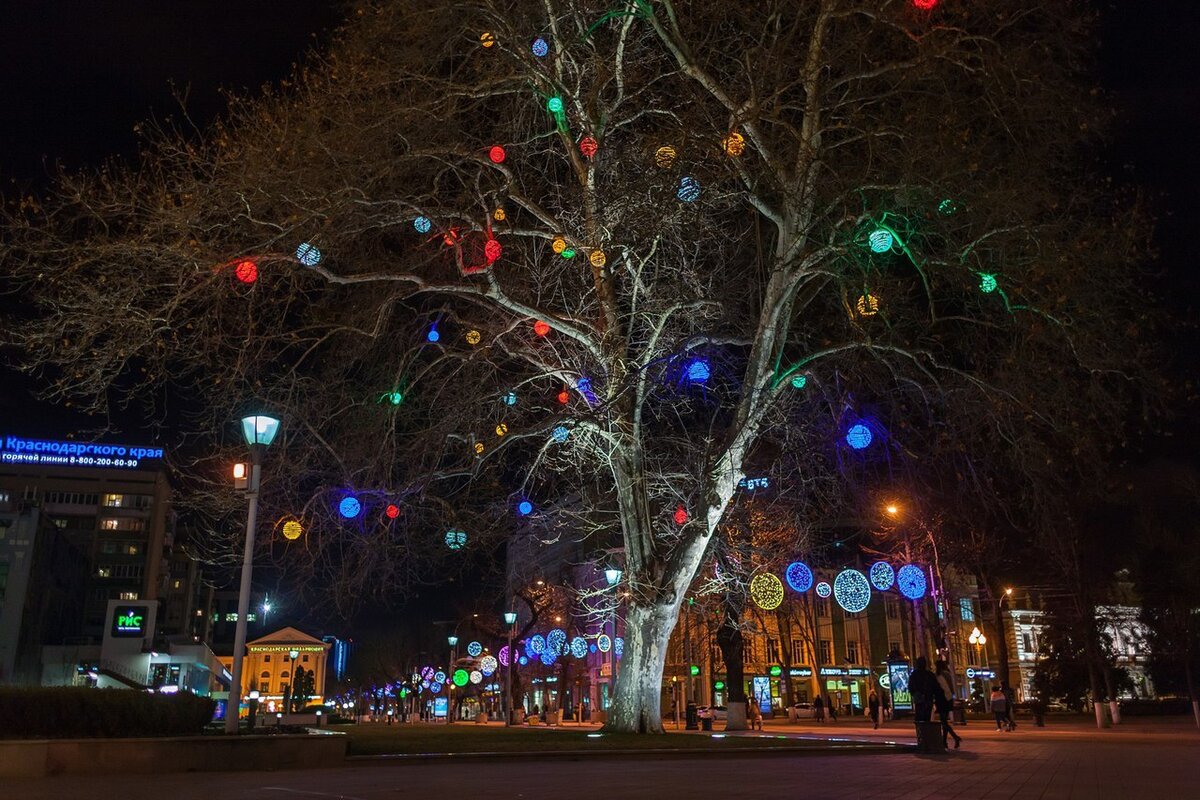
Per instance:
(612,575)
(259,431)
(510,619)
(451,640)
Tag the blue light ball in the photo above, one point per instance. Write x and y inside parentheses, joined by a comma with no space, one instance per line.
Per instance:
(433,335)
(689,189)
(308,255)
(524,508)
(824,589)
(509,398)
(422,224)
(560,434)
(911,581)
(799,576)
(540,48)
(883,577)
(859,436)
(698,370)
(349,507)
(524,661)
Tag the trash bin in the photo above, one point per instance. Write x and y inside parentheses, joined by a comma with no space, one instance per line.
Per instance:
(693,717)
(929,738)
(958,713)
(706,724)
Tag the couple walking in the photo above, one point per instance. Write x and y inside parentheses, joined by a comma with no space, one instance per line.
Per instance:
(930,691)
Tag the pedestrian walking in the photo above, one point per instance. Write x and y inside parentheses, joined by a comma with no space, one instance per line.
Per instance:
(1011,704)
(819,708)
(876,709)
(887,705)
(923,688)
(944,702)
(756,718)
(1000,708)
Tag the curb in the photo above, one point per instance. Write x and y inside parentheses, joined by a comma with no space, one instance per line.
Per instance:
(542,755)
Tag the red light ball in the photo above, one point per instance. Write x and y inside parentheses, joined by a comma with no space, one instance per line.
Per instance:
(925,5)
(541,327)
(246,271)
(450,237)
(492,250)
(497,154)
(588,146)
(681,515)
(392,511)
(564,397)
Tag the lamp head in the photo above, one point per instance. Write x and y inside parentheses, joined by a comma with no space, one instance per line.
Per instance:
(612,575)
(452,639)
(259,429)
(510,617)
(293,654)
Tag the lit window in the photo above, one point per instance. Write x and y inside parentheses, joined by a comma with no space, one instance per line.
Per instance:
(965,609)
(231,617)
(177,584)
(109,524)
(132,550)
(104,572)
(129,595)
(114,500)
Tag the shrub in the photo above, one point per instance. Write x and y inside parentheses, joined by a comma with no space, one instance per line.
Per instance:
(71,712)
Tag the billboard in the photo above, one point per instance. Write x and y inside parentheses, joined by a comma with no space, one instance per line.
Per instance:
(129,622)
(898,679)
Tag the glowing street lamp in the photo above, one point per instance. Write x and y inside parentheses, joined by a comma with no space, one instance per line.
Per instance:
(612,575)
(510,619)
(259,431)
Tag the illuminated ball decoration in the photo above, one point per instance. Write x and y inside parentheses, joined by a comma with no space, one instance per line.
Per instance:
(395,397)
(456,539)
(824,589)
(799,576)
(536,644)
(524,508)
(569,253)
(766,590)
(589,146)
(619,647)
(859,436)
(560,434)
(734,144)
(883,577)
(554,105)
(523,661)
(492,250)
(579,647)
(292,530)
(246,271)
(541,327)
(476,676)
(436,687)
(880,240)
(868,305)
(450,238)
(427,673)
(487,39)
(509,398)
(558,245)
(349,507)
(598,258)
(911,581)
(547,657)
(308,254)
(689,189)
(852,590)
(473,337)
(564,397)
(392,511)
(499,214)
(478,448)
(799,381)
(439,677)
(539,47)
(501,429)
(556,640)
(461,677)
(422,224)
(947,207)
(432,335)
(698,370)
(488,664)
(987,283)
(497,154)
(925,5)
(681,515)
(664,157)
(603,643)
(504,655)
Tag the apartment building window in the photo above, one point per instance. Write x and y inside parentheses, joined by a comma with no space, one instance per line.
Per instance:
(103,571)
(826,651)
(119,571)
(824,609)
(122,524)
(114,500)
(4,498)
(132,549)
(966,610)
(797,651)
(128,596)
(852,652)
(267,659)
(893,608)
(1027,641)
(177,584)
(71,498)
(773,650)
(893,647)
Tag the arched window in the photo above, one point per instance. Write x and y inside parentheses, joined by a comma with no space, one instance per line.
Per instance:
(284,674)
(265,674)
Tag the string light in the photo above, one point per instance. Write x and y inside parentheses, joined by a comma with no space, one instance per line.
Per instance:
(734,144)
(501,429)
(664,157)
(456,539)
(947,207)
(852,590)
(504,655)
(395,397)
(603,643)
(479,447)
(460,678)
(564,397)
(619,648)
(868,305)
(560,434)
(698,370)
(488,664)
(535,645)
(579,647)
(476,676)
(569,253)
(689,189)
(497,154)
(349,507)
(524,508)
(556,641)
(422,224)
(925,5)
(883,577)
(799,576)
(292,530)
(539,47)
(880,240)
(499,214)
(509,398)
(492,250)
(554,105)
(911,581)
(432,334)
(589,146)
(766,590)
(558,245)
(308,255)
(246,271)
(824,589)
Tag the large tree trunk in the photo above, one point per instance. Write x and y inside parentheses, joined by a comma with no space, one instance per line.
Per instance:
(732,644)
(1001,642)
(636,706)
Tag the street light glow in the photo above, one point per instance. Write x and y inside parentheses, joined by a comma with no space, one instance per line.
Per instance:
(259,429)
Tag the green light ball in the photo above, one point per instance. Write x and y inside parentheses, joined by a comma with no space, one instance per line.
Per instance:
(987,283)
(554,105)
(799,381)
(461,677)
(880,240)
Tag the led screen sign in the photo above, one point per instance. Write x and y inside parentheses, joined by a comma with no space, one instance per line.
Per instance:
(17,450)
(129,622)
(898,683)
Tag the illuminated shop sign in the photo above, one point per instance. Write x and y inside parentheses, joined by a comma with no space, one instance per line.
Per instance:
(898,684)
(754,484)
(859,672)
(16,450)
(129,622)
(982,673)
(832,672)
(285,648)
(800,672)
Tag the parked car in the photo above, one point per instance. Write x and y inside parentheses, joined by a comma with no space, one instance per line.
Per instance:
(804,711)
(712,712)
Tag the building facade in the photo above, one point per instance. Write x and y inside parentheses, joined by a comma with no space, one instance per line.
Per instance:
(271,662)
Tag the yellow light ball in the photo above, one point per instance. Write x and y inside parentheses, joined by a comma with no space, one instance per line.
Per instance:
(734,144)
(479,448)
(766,590)
(558,245)
(486,39)
(501,429)
(868,305)
(598,258)
(499,215)
(292,530)
(664,157)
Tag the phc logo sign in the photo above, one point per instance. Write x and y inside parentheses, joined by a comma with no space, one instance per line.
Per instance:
(129,621)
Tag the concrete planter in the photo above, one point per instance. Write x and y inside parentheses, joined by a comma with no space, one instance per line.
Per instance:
(43,757)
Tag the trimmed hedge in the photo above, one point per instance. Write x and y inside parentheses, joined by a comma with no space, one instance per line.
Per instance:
(74,712)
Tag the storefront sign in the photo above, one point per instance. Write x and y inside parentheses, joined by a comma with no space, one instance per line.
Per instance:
(16,450)
(440,706)
(898,680)
(800,672)
(859,672)
(832,672)
(983,673)
(129,622)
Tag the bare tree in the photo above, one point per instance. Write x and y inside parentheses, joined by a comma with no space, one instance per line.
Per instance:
(735,229)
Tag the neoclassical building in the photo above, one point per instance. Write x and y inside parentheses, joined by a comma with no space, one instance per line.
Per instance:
(271,661)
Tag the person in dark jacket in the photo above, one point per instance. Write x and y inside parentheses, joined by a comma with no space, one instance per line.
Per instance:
(874,707)
(819,708)
(944,701)
(923,688)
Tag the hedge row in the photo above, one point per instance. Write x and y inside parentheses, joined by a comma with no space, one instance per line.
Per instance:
(71,712)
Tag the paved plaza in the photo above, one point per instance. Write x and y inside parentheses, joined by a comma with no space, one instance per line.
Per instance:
(1148,760)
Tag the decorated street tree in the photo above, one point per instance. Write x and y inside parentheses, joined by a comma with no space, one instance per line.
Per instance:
(564,269)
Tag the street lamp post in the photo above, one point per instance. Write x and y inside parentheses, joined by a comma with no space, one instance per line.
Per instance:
(451,640)
(259,431)
(510,619)
(613,576)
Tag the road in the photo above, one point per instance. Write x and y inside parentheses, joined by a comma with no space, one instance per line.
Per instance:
(1060,764)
